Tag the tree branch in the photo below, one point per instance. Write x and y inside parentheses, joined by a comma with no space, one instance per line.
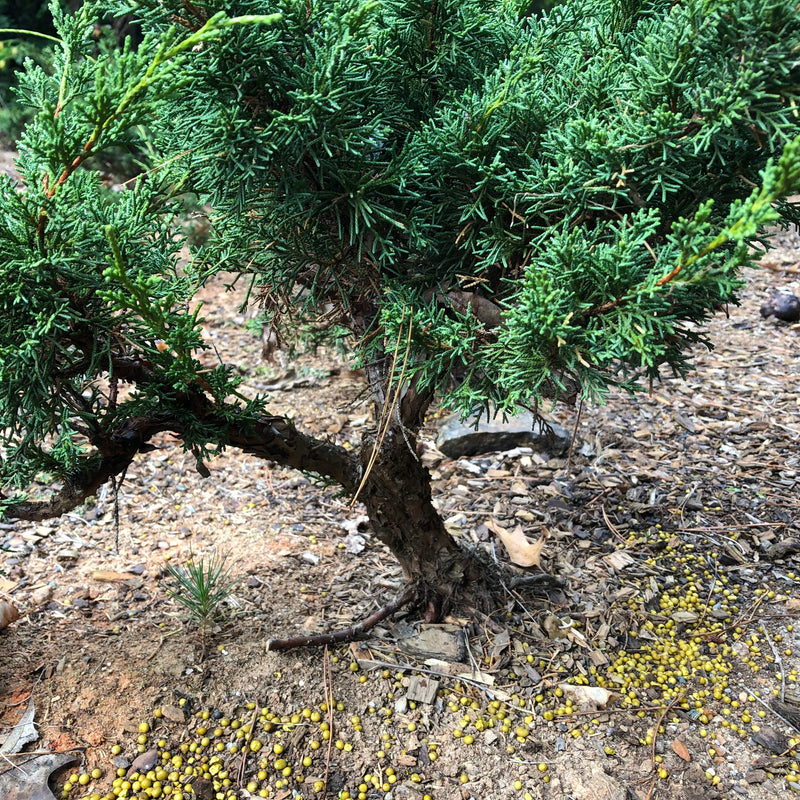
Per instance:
(346,634)
(120,448)
(277,439)
(269,438)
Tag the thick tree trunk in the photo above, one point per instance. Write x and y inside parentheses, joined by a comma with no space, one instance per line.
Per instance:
(397,496)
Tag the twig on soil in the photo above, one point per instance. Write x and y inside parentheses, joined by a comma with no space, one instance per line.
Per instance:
(471,657)
(610,525)
(664,712)
(347,634)
(80,748)
(518,600)
(490,690)
(18,703)
(246,748)
(778,660)
(711,585)
(771,265)
(730,527)
(595,712)
(328,678)
(488,623)
(768,707)
(574,436)
(116,485)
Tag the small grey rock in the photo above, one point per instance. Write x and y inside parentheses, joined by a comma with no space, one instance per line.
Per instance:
(174,713)
(457,439)
(756,776)
(783,306)
(42,595)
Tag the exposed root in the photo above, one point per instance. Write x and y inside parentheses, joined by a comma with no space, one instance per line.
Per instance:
(348,634)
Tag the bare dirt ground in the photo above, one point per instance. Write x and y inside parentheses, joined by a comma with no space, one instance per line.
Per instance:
(672,535)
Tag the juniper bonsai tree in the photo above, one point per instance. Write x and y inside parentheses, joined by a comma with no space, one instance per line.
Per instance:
(498,207)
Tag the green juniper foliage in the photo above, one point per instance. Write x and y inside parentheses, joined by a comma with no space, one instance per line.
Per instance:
(561,167)
(90,291)
(498,206)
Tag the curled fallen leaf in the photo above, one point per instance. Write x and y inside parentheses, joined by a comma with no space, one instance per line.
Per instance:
(589,697)
(8,613)
(521,552)
(681,750)
(27,779)
(144,762)
(24,732)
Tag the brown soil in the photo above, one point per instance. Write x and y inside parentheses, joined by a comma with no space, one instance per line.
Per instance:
(679,506)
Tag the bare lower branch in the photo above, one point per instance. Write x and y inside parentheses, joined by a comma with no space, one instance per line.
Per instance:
(271,438)
(346,634)
(277,439)
(119,450)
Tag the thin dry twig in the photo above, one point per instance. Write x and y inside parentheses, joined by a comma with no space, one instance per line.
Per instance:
(389,404)
(778,659)
(664,711)
(346,634)
(574,435)
(246,748)
(611,526)
(767,706)
(328,678)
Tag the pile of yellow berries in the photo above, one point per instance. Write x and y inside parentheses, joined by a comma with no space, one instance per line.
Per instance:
(685,637)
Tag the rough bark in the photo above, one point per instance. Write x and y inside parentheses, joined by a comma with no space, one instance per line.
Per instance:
(271,438)
(115,453)
(397,496)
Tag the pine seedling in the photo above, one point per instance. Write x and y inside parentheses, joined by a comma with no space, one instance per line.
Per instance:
(202,587)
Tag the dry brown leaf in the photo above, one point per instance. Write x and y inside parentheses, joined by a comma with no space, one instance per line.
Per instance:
(8,613)
(106,576)
(521,552)
(589,697)
(144,762)
(24,732)
(619,559)
(681,750)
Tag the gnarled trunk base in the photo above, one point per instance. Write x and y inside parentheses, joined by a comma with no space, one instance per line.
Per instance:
(397,496)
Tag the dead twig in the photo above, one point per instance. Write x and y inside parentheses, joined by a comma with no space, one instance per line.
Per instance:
(347,634)
(389,405)
(572,441)
(768,707)
(246,748)
(778,660)
(328,678)
(664,711)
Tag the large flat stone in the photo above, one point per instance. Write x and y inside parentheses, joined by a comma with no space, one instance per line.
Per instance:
(442,641)
(457,439)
